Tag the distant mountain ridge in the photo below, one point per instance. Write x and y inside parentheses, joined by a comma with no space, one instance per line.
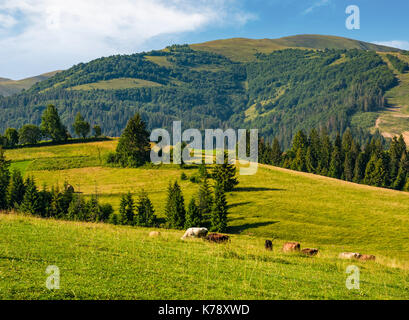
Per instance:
(243,49)
(9,87)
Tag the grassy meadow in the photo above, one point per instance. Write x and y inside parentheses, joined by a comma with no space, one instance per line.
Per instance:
(100,261)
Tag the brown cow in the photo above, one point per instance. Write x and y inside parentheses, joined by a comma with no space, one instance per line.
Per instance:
(291,246)
(367,257)
(217,237)
(310,252)
(268,245)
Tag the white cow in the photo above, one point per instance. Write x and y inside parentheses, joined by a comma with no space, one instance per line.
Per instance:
(349,255)
(195,233)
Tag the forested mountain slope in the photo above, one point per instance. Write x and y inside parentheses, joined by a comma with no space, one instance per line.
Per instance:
(277,91)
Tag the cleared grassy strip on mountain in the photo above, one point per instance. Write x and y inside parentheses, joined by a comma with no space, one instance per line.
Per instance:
(99,261)
(116,84)
(394,120)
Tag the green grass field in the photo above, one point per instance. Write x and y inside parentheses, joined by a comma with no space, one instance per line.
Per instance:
(100,261)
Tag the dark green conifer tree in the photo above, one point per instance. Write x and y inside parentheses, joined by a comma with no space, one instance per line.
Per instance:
(175,207)
(219,213)
(193,216)
(145,213)
(31,201)
(126,210)
(225,175)
(4,179)
(133,149)
(16,190)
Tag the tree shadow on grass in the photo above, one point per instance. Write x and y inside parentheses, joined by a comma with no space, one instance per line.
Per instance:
(234,205)
(243,227)
(255,189)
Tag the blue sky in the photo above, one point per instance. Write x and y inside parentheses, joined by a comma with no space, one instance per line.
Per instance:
(38,36)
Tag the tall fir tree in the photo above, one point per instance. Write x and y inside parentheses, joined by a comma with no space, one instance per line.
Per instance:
(175,207)
(225,175)
(402,174)
(349,166)
(126,210)
(133,148)
(335,167)
(205,199)
(4,179)
(219,213)
(145,213)
(360,166)
(276,153)
(32,200)
(16,190)
(193,216)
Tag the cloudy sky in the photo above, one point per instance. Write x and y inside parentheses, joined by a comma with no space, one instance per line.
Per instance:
(38,36)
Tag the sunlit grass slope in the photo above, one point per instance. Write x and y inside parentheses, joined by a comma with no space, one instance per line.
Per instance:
(331,215)
(112,262)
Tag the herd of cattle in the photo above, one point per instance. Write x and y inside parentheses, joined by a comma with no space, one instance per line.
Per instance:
(287,247)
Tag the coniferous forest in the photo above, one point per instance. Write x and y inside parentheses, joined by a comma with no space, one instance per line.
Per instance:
(343,158)
(279,93)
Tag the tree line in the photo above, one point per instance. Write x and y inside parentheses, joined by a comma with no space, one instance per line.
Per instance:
(51,128)
(343,158)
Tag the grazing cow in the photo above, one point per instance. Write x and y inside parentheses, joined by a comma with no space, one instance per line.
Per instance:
(217,237)
(349,255)
(154,234)
(367,257)
(268,245)
(291,246)
(310,252)
(195,233)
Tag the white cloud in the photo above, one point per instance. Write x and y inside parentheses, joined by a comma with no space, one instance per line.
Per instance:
(316,4)
(400,44)
(60,32)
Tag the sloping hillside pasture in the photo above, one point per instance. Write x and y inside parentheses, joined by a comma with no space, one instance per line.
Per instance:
(105,261)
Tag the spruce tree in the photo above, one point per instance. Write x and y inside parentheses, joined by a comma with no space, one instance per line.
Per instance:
(324,154)
(205,199)
(225,175)
(133,149)
(276,153)
(402,174)
(175,207)
(360,166)
(193,216)
(77,211)
(4,179)
(32,200)
(94,210)
(370,169)
(16,190)
(219,213)
(126,210)
(349,166)
(335,168)
(145,213)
